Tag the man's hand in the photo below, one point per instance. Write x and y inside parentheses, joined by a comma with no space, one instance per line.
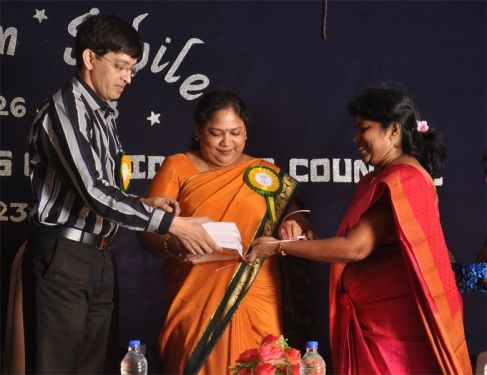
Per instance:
(164,203)
(194,237)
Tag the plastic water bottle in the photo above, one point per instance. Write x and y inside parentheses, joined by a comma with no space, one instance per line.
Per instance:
(134,362)
(312,362)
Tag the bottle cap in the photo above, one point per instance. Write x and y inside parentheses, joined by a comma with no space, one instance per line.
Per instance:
(312,345)
(134,343)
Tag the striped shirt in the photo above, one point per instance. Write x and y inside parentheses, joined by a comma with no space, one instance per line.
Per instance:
(74,158)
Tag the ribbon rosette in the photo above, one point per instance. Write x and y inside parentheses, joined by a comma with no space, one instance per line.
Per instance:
(125,171)
(267,183)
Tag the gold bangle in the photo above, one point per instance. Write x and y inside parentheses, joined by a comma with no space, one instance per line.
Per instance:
(280,250)
(167,252)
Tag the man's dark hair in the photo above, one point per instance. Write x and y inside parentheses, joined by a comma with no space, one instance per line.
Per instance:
(105,33)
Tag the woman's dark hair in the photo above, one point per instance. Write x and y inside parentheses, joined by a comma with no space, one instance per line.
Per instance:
(216,100)
(105,33)
(388,105)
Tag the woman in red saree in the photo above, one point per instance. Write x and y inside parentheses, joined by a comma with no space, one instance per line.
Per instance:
(219,308)
(394,304)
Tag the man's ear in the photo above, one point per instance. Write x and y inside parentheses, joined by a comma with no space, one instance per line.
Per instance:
(88,57)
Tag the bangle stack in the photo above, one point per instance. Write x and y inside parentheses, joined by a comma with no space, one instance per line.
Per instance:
(168,253)
(280,250)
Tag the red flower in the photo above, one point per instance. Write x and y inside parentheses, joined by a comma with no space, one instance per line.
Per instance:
(270,339)
(245,371)
(264,369)
(270,352)
(272,356)
(295,370)
(249,355)
(292,356)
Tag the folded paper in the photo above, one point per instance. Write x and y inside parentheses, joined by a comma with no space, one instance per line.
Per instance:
(227,236)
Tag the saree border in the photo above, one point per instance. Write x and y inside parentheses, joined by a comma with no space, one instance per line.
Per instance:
(239,285)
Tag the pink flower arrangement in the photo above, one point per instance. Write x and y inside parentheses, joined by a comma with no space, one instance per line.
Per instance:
(273,356)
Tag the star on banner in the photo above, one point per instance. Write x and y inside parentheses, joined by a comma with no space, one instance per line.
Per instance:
(40,15)
(154,118)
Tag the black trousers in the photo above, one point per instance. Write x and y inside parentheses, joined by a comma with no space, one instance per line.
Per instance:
(68,302)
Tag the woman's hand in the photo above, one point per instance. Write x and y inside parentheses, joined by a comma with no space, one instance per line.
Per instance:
(310,235)
(290,230)
(262,247)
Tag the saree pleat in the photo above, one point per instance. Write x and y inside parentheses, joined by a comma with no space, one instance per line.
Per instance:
(405,315)
(217,309)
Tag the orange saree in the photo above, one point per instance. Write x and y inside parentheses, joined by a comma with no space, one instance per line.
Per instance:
(217,309)
(404,314)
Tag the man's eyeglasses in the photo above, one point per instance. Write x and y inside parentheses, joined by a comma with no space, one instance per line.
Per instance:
(120,67)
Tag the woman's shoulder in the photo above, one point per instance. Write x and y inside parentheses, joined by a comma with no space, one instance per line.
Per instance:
(407,174)
(261,162)
(178,157)
(409,166)
(179,162)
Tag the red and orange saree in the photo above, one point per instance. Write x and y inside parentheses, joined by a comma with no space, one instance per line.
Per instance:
(405,314)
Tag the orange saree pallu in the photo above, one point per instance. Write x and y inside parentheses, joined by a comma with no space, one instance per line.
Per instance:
(404,313)
(218,309)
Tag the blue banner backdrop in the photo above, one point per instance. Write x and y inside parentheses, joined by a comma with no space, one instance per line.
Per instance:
(295,83)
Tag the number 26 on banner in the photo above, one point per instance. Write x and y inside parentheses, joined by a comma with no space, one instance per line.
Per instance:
(19,211)
(17,107)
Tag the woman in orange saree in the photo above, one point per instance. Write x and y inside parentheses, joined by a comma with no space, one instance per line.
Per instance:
(219,308)
(394,304)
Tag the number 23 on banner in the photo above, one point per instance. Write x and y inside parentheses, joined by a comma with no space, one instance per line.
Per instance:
(19,214)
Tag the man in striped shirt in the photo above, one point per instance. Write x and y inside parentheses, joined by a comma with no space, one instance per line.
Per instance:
(75,162)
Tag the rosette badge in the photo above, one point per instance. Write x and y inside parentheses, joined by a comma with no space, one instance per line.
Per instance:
(125,171)
(267,183)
